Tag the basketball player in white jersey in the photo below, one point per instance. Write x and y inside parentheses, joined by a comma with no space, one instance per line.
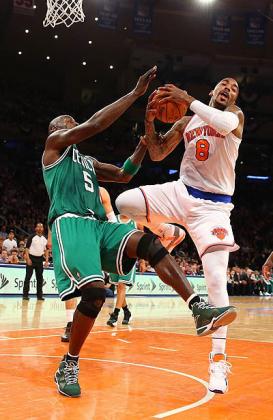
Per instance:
(201,199)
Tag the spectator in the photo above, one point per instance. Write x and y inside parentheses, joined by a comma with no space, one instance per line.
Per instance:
(21,251)
(10,242)
(13,258)
(3,232)
(4,258)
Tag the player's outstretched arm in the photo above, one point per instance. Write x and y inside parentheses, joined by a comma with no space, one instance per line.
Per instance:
(267,267)
(225,122)
(103,118)
(111,173)
(161,145)
(106,202)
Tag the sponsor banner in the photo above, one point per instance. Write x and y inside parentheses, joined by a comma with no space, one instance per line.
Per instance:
(255,29)
(221,28)
(12,281)
(108,13)
(143,17)
(24,7)
(150,284)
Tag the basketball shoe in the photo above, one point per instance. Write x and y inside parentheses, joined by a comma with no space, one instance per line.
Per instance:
(209,318)
(127,316)
(219,369)
(112,321)
(66,378)
(67,332)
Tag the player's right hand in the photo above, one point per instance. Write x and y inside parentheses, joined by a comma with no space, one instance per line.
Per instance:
(266,271)
(144,81)
(151,108)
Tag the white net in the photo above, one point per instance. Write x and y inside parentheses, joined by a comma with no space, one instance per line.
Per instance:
(63,11)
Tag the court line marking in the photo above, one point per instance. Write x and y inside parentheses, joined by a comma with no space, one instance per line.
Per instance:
(45,336)
(124,341)
(237,357)
(209,395)
(161,348)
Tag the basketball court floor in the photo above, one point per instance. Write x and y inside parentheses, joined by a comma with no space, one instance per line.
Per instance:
(154,368)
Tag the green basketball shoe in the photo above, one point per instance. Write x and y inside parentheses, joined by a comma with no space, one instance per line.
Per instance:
(66,378)
(209,318)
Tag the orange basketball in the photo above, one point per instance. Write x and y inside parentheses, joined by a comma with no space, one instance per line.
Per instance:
(170,112)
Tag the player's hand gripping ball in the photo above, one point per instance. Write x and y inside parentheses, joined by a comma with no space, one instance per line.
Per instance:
(169,112)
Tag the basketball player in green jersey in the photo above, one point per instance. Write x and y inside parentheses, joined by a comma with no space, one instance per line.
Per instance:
(84,244)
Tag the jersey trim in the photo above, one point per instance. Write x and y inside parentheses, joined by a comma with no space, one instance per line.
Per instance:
(220,246)
(46,167)
(121,251)
(146,204)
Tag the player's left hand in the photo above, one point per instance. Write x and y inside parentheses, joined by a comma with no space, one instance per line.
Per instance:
(171,93)
(144,81)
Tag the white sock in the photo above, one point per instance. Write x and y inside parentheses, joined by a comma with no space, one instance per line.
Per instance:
(69,314)
(215,270)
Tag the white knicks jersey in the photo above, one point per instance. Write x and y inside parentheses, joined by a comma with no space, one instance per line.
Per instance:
(209,160)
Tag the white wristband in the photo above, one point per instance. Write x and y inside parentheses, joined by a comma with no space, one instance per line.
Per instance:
(111,217)
(222,121)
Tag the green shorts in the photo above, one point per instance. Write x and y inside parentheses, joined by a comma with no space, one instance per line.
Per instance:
(83,247)
(127,279)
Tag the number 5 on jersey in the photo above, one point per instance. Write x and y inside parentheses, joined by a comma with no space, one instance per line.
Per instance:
(88,183)
(202,150)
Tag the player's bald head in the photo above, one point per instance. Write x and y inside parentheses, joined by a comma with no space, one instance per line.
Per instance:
(61,123)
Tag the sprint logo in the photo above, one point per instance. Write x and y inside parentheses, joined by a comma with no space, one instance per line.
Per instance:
(3,281)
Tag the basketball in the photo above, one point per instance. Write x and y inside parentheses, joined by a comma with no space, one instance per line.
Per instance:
(170,112)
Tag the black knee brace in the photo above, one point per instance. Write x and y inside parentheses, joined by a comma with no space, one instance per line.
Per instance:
(91,302)
(150,249)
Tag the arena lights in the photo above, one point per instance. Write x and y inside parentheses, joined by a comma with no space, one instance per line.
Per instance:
(125,28)
(19,53)
(90,42)
(56,36)
(47,57)
(258,177)
(84,63)
(26,31)
(34,6)
(111,67)
(96,18)
(206,1)
(96,81)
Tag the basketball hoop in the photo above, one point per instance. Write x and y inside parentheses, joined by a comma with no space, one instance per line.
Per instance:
(63,11)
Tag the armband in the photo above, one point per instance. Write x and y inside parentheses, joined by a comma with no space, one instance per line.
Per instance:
(130,168)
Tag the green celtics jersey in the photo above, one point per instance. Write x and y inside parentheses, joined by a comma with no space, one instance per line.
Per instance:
(72,186)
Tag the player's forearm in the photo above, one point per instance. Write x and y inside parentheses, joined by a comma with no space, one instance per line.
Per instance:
(132,165)
(108,115)
(222,121)
(269,261)
(154,142)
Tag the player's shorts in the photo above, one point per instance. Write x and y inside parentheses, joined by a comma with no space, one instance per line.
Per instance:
(83,247)
(127,279)
(207,222)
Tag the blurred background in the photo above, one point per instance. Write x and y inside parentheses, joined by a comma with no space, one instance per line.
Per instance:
(46,72)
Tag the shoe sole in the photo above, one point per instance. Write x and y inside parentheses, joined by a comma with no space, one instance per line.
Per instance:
(224,319)
(63,393)
(64,340)
(111,324)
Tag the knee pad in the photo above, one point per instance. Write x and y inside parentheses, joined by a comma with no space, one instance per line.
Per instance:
(150,249)
(91,302)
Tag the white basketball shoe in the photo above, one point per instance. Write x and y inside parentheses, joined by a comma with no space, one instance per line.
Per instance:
(219,369)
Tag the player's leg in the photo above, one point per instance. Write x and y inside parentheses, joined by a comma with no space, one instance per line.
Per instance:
(29,272)
(215,266)
(143,206)
(38,266)
(70,307)
(121,292)
(148,247)
(83,271)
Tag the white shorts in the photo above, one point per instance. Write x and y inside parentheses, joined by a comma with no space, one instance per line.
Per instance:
(207,222)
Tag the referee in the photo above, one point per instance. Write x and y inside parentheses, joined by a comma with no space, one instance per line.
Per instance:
(36,248)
